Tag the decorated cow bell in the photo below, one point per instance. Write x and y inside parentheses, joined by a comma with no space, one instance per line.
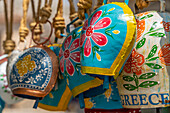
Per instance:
(144,81)
(107,39)
(81,85)
(34,72)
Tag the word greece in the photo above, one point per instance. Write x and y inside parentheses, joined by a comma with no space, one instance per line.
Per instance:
(154,99)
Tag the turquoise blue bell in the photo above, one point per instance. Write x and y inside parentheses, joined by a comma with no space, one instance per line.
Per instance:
(81,85)
(107,39)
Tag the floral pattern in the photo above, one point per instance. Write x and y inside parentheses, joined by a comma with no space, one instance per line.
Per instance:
(134,63)
(32,69)
(166,26)
(69,56)
(25,65)
(164,54)
(90,33)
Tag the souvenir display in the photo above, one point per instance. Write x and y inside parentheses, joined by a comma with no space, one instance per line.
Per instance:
(79,83)
(5,91)
(34,72)
(60,96)
(144,81)
(107,38)
(113,60)
(2,105)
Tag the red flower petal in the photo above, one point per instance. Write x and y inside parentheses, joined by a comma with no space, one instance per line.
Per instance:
(62,65)
(105,22)
(85,26)
(82,39)
(133,53)
(99,38)
(67,42)
(75,56)
(137,70)
(61,53)
(87,48)
(69,67)
(140,59)
(164,54)
(74,45)
(127,67)
(95,17)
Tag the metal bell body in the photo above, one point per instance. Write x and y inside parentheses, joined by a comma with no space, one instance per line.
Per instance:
(144,81)
(107,38)
(34,73)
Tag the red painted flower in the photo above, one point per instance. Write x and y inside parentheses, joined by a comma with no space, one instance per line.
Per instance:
(164,54)
(99,38)
(166,26)
(69,55)
(134,63)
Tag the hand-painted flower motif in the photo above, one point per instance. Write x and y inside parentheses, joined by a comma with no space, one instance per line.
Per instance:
(25,65)
(164,54)
(88,103)
(69,55)
(134,63)
(90,33)
(166,26)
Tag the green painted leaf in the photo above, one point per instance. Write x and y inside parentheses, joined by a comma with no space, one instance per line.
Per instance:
(82,51)
(110,28)
(154,58)
(143,17)
(153,26)
(148,84)
(140,43)
(2,79)
(146,16)
(74,35)
(147,75)
(1,75)
(109,34)
(105,14)
(136,79)
(157,34)
(150,15)
(128,78)
(152,52)
(129,87)
(93,50)
(153,65)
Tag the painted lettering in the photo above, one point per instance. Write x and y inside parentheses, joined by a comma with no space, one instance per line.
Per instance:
(134,100)
(151,100)
(127,100)
(142,98)
(164,97)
